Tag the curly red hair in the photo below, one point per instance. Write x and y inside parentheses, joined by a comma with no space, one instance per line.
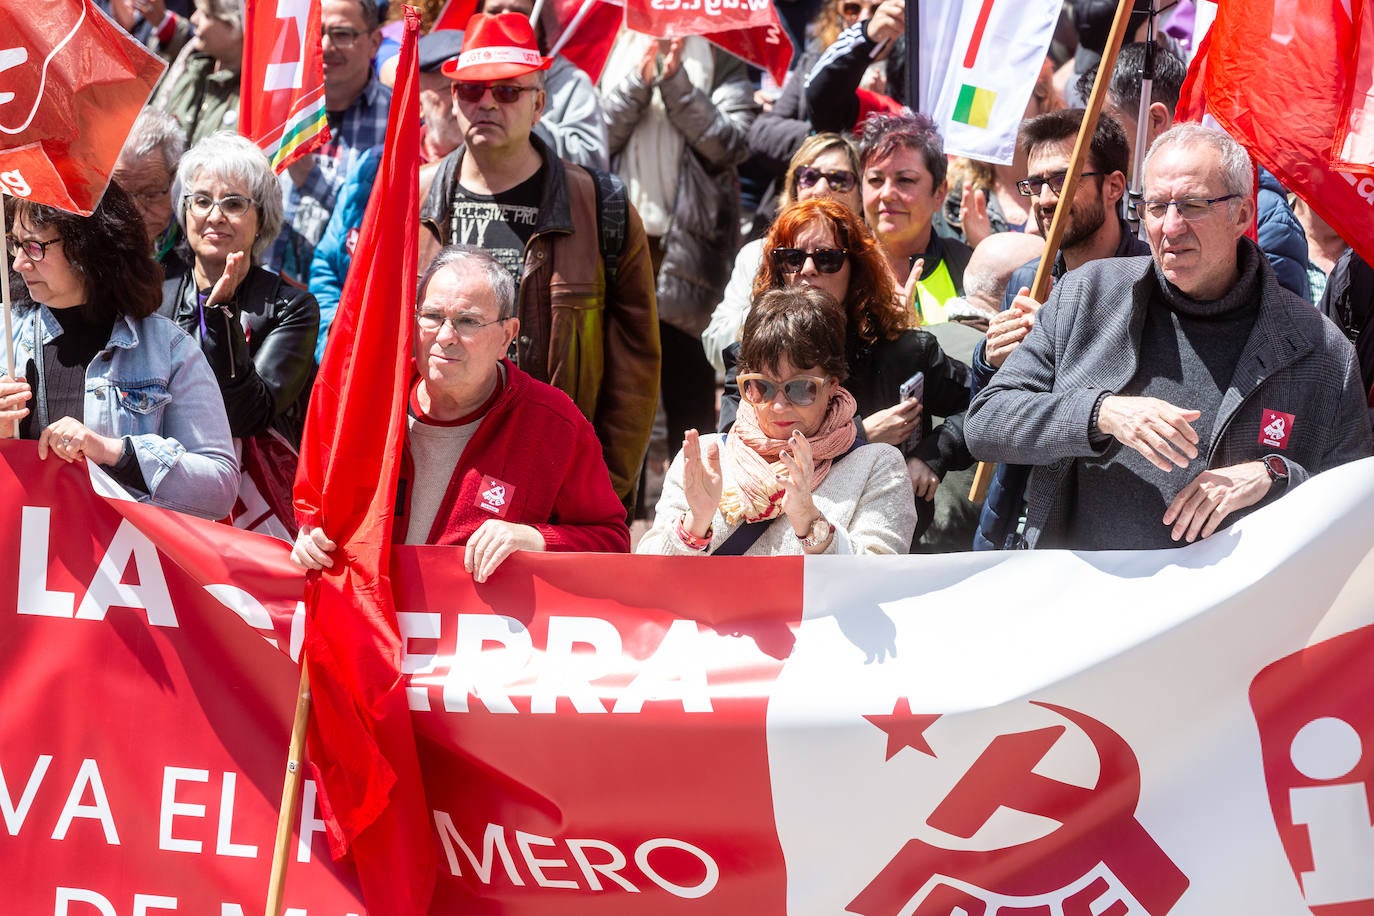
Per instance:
(871,305)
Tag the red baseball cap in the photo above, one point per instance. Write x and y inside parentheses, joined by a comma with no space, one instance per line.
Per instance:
(497,47)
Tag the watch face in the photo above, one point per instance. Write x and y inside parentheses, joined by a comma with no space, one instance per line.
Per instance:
(1277,469)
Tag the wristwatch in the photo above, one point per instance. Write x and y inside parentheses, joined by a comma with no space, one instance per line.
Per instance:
(1278,471)
(818,534)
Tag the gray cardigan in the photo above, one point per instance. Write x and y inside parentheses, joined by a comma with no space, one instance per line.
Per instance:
(1086,341)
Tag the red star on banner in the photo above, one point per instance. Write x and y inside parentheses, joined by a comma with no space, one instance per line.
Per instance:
(904,729)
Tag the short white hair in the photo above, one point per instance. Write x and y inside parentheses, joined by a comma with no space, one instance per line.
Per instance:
(1237,171)
(225,154)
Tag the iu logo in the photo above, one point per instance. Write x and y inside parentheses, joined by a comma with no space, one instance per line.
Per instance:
(1026,830)
(1315,712)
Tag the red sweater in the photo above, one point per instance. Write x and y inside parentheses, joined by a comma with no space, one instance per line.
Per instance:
(534,460)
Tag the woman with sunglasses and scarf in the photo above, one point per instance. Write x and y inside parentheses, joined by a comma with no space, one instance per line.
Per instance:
(792,476)
(826,166)
(822,244)
(98,376)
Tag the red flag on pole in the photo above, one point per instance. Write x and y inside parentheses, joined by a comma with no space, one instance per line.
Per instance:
(362,741)
(71,84)
(281,98)
(1290,80)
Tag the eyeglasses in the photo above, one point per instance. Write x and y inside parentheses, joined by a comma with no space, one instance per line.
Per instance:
(840,180)
(231,205)
(463,325)
(341,38)
(1031,187)
(800,391)
(503,93)
(33,249)
(1190,208)
(150,198)
(792,260)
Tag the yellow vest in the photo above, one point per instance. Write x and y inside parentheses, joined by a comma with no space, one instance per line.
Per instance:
(933,290)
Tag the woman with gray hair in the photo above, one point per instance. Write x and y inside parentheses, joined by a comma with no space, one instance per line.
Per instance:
(257,332)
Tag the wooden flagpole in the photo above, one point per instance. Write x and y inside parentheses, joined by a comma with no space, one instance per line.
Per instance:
(5,292)
(290,796)
(982,476)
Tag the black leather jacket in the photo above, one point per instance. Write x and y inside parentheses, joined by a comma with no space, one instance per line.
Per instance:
(262,349)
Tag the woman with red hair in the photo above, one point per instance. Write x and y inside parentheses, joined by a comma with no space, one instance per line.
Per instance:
(825,245)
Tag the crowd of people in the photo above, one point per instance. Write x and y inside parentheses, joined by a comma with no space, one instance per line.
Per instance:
(794,288)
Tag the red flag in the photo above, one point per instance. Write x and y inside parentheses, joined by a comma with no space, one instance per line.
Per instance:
(587,37)
(754,35)
(362,741)
(765,46)
(1290,81)
(71,84)
(675,20)
(454,15)
(281,100)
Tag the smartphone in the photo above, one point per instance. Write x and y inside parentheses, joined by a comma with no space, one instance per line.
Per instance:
(914,387)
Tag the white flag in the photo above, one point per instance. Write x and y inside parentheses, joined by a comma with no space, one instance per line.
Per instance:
(978,63)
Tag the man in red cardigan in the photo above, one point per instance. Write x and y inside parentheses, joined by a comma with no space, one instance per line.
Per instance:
(493,459)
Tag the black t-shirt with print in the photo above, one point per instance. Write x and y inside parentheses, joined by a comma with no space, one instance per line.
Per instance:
(500,223)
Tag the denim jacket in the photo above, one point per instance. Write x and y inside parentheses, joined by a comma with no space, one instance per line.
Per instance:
(152,384)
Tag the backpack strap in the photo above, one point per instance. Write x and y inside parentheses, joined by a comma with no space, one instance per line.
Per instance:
(613,220)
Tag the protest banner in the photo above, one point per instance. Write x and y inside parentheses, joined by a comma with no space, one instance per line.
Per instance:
(1185,732)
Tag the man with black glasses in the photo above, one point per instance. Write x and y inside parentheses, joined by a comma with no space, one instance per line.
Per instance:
(573,244)
(357,105)
(1095,230)
(1162,398)
(493,460)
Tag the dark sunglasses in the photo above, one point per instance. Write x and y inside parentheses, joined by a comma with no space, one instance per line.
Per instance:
(841,180)
(792,260)
(501,92)
(801,391)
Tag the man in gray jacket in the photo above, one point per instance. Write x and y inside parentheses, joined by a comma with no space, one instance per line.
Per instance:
(1160,398)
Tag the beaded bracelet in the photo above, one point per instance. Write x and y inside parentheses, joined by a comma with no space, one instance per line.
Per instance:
(689,539)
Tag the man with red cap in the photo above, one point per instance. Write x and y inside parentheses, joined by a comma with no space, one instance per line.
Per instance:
(585,295)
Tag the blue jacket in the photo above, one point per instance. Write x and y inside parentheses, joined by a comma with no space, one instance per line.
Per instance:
(329,267)
(152,385)
(1281,237)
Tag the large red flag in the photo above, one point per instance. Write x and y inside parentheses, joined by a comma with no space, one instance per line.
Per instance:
(1290,80)
(362,741)
(71,84)
(281,100)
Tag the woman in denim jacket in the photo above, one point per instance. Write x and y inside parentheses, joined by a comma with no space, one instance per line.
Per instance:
(100,376)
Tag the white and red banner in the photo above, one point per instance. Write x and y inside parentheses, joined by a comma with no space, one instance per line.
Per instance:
(71,84)
(281,106)
(1185,732)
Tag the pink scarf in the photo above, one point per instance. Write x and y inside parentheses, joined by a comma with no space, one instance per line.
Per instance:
(750,459)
